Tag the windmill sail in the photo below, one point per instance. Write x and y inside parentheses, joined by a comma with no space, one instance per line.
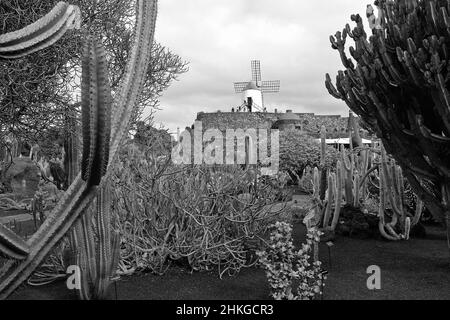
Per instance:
(270,86)
(256,71)
(240,86)
(256,84)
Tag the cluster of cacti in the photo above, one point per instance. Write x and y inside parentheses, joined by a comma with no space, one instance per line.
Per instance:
(397,84)
(356,166)
(391,196)
(328,188)
(96,135)
(391,192)
(346,183)
(349,182)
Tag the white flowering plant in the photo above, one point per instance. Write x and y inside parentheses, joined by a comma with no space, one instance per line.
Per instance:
(287,269)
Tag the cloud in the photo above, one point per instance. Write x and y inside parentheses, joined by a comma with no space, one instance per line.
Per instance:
(220,37)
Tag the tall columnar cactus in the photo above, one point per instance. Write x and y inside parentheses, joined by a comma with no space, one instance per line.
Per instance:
(324,189)
(317,211)
(356,167)
(355,135)
(324,208)
(334,195)
(331,183)
(71,149)
(397,82)
(364,166)
(96,248)
(323,168)
(96,112)
(82,191)
(391,195)
(347,160)
(338,196)
(388,198)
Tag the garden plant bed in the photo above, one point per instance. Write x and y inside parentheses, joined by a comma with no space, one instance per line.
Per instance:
(414,269)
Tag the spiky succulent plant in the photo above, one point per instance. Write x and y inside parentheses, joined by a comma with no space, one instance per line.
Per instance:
(102,142)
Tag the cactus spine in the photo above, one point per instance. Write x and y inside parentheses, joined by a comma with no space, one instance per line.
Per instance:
(80,194)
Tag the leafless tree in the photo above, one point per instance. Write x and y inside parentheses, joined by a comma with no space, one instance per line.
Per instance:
(37,91)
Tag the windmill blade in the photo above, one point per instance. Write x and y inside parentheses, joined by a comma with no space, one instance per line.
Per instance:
(240,86)
(256,71)
(270,86)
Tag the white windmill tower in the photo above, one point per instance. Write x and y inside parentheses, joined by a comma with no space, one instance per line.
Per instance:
(253,91)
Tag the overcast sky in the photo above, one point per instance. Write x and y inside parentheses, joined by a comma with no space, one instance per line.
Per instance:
(219,38)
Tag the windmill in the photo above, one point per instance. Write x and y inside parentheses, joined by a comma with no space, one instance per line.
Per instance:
(253,91)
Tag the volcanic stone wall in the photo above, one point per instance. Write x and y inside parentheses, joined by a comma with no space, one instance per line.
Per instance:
(235,120)
(309,122)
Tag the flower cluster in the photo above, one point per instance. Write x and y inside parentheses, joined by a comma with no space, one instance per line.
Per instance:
(287,269)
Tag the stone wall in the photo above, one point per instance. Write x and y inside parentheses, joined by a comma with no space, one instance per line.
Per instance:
(309,122)
(235,120)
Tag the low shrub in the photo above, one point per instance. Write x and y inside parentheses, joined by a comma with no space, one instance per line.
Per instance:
(298,150)
(204,216)
(287,269)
